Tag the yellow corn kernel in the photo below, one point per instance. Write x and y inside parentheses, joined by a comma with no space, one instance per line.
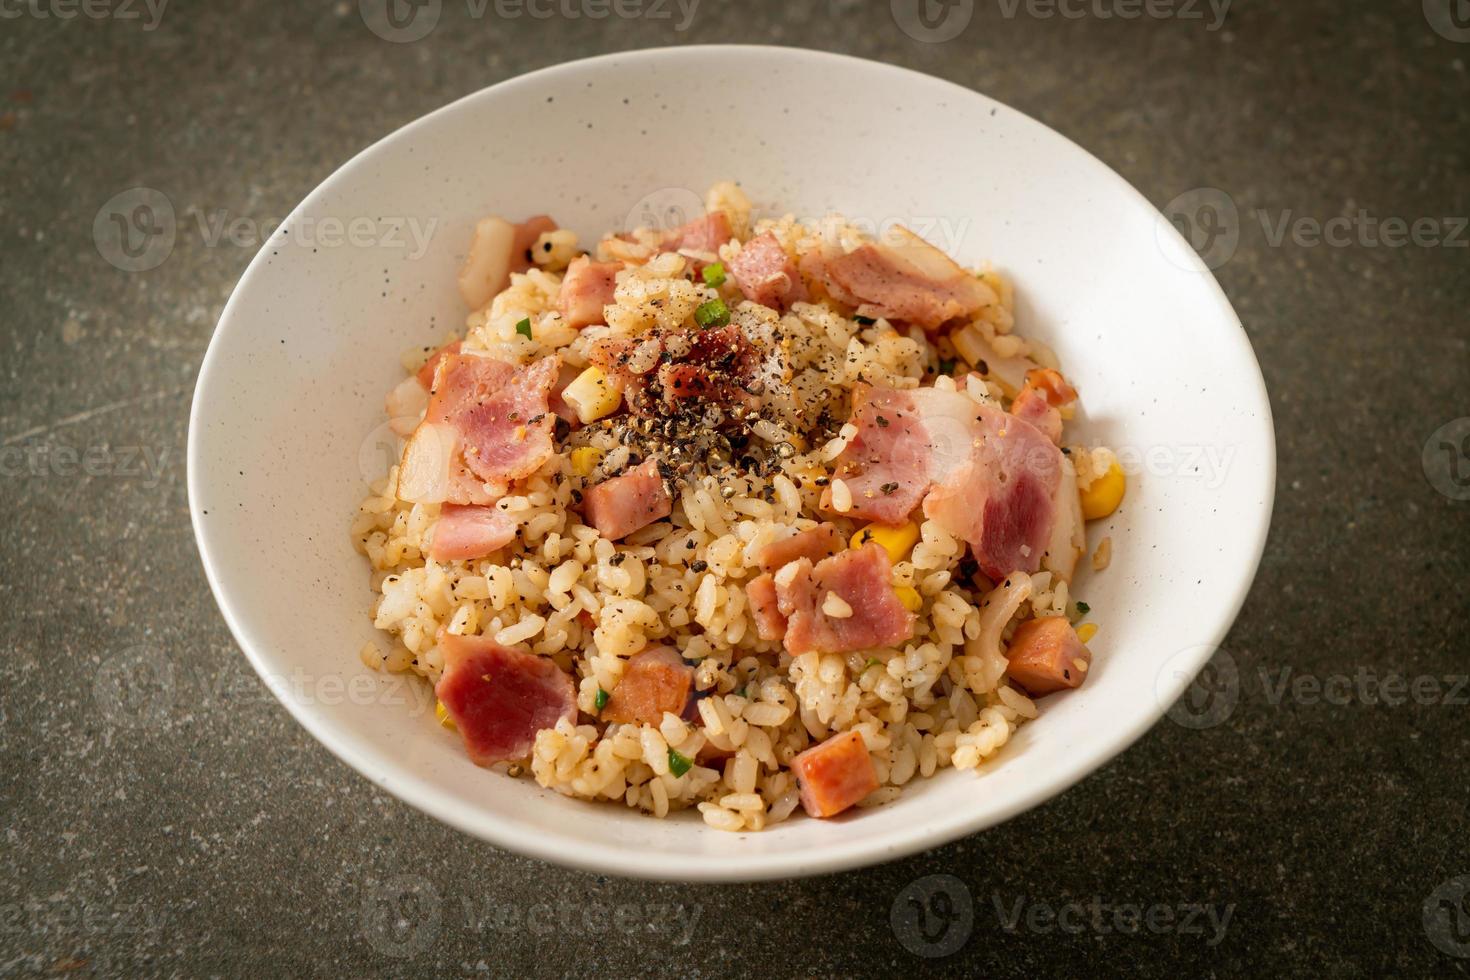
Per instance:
(1105,494)
(895,540)
(584,460)
(910,597)
(1086,631)
(593,394)
(442,713)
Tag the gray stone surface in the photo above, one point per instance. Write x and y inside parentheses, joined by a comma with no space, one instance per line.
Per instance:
(218,838)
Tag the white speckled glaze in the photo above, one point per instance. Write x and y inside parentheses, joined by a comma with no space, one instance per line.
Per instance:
(286,423)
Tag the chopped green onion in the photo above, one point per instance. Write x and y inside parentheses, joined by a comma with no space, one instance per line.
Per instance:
(947,366)
(679,764)
(712,314)
(872,662)
(524,328)
(600,701)
(866,321)
(714,275)
(1083,607)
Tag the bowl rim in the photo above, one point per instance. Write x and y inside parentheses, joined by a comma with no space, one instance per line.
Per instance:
(608,857)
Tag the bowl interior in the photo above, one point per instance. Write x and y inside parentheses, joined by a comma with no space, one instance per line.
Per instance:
(287,424)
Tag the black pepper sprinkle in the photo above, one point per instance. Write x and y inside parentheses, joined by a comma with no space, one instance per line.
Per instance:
(699,565)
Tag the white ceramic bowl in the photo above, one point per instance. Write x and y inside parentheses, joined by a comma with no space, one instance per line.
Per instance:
(287,418)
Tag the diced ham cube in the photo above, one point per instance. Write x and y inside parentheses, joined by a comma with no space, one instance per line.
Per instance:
(859,579)
(499,697)
(1031,405)
(463,533)
(835,775)
(585,289)
(1041,399)
(765,607)
(822,541)
(766,274)
(656,680)
(623,504)
(1046,656)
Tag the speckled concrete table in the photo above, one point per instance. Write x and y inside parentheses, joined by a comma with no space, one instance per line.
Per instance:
(1315,823)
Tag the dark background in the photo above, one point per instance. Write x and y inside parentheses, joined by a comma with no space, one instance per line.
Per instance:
(220,838)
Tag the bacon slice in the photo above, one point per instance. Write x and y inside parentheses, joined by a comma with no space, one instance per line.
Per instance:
(765,607)
(656,680)
(902,278)
(463,533)
(886,465)
(1003,499)
(499,697)
(766,274)
(426,373)
(982,474)
(822,541)
(704,234)
(623,504)
(834,775)
(1046,656)
(487,425)
(906,441)
(498,249)
(409,399)
(861,579)
(585,289)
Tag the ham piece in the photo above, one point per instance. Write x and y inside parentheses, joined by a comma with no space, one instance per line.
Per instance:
(499,697)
